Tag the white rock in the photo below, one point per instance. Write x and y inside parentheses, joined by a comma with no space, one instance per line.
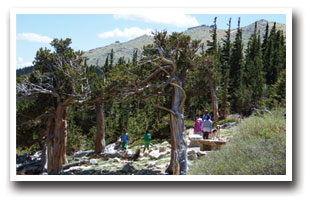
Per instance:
(163,166)
(201,153)
(116,160)
(150,164)
(192,154)
(162,149)
(82,153)
(156,155)
(93,161)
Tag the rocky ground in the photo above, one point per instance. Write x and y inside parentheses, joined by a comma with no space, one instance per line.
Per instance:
(115,161)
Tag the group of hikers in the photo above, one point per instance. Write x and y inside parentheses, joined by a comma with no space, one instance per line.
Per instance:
(203,126)
(125,139)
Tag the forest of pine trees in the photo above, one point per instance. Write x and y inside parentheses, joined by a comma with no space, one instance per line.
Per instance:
(78,107)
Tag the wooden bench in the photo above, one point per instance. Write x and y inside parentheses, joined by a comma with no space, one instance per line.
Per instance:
(210,144)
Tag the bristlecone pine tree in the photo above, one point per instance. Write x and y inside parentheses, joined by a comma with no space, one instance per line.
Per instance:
(171,57)
(60,75)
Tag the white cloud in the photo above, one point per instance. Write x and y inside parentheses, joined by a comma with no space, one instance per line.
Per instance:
(178,20)
(126,33)
(20,63)
(33,37)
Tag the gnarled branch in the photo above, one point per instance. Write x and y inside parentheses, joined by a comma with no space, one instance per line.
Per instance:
(162,108)
(155,73)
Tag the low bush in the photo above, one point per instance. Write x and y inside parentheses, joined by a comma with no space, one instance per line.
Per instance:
(257,148)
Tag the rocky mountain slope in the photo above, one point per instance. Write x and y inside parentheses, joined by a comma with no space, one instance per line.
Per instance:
(202,33)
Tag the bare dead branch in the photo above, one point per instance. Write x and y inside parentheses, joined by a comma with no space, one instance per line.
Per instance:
(162,108)
(156,72)
(262,110)
(85,102)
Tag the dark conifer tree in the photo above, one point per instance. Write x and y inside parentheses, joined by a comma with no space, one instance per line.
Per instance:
(225,64)
(236,65)
(252,75)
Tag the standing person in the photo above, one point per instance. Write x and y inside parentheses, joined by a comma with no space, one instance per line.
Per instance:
(147,140)
(205,115)
(198,125)
(206,128)
(125,139)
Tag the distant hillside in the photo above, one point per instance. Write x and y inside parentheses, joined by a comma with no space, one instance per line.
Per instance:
(125,49)
(24,71)
(197,33)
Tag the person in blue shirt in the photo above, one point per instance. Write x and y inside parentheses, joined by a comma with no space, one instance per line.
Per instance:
(125,139)
(206,128)
(205,115)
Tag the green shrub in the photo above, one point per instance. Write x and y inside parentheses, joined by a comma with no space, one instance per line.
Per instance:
(224,121)
(257,148)
(189,123)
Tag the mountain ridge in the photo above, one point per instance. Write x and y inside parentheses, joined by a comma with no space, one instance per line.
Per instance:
(201,32)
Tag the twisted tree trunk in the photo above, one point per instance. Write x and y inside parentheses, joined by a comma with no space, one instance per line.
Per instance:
(50,143)
(100,135)
(214,99)
(178,161)
(60,139)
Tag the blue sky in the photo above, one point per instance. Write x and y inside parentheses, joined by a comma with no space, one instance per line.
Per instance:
(91,31)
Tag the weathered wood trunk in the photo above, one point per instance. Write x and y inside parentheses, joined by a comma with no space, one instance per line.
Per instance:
(178,161)
(100,135)
(60,139)
(214,100)
(50,143)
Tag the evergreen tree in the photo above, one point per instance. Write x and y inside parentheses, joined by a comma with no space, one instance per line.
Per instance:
(236,66)
(265,43)
(226,51)
(252,75)
(213,67)
(225,64)
(273,55)
(212,45)
(59,75)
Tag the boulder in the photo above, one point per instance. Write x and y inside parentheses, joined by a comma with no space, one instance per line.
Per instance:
(192,154)
(194,140)
(93,161)
(23,158)
(116,160)
(163,166)
(82,153)
(156,154)
(163,149)
(36,156)
(201,153)
(150,164)
(128,168)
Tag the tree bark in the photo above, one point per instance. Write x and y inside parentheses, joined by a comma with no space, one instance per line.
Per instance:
(214,100)
(60,139)
(100,135)
(50,143)
(178,161)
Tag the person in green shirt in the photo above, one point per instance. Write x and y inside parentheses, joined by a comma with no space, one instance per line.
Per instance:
(147,140)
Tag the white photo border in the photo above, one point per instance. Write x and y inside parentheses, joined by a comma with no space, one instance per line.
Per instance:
(113,10)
